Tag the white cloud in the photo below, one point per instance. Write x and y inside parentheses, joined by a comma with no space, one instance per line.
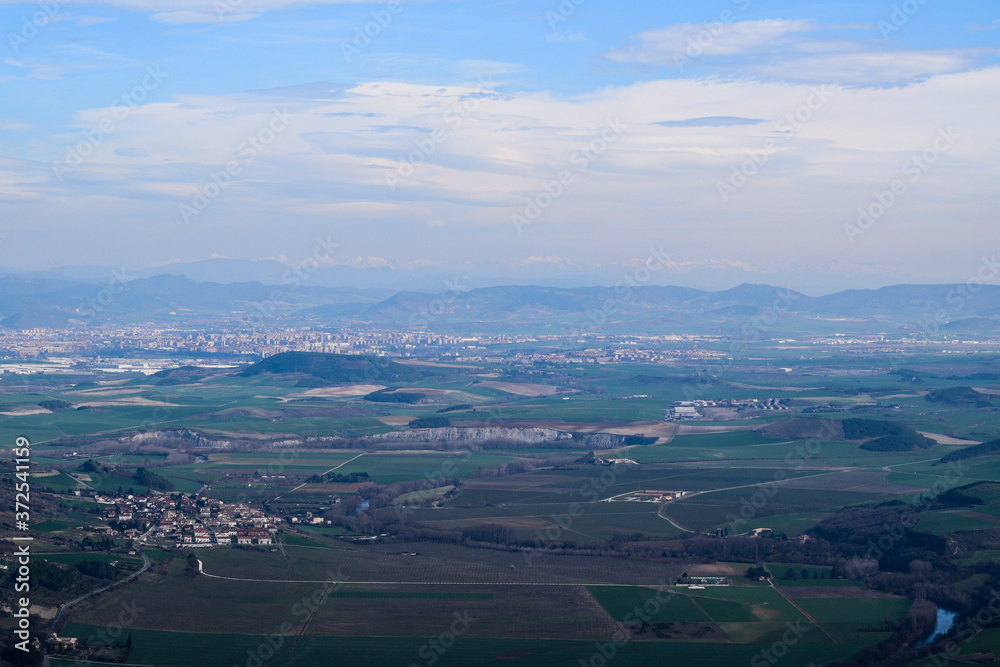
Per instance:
(654,185)
(664,46)
(188,17)
(565,36)
(789,50)
(85,21)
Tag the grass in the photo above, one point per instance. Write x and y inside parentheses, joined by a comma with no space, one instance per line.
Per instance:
(629,602)
(850,611)
(55,525)
(79,557)
(983,556)
(158,555)
(953,521)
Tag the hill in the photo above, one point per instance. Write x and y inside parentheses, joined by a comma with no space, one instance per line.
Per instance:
(958,396)
(884,436)
(985,449)
(334,368)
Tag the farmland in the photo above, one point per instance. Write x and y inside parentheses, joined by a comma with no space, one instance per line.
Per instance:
(386,531)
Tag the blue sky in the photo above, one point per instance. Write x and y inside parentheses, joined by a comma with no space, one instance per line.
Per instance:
(817,146)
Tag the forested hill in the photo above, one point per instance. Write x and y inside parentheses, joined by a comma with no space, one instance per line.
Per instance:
(335,368)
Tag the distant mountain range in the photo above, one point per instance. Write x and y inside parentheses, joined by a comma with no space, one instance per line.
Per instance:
(28,302)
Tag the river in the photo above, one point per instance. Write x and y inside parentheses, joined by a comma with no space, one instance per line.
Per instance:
(945,619)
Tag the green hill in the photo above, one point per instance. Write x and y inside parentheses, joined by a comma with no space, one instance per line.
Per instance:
(985,449)
(884,436)
(334,368)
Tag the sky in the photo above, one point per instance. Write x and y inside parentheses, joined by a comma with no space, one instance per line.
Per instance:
(814,146)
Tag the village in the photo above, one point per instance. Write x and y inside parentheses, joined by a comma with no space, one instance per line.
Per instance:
(186,521)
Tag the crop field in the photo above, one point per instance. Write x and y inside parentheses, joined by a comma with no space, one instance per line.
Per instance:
(622,603)
(847,618)
(168,649)
(433,563)
(717,508)
(574,560)
(567,612)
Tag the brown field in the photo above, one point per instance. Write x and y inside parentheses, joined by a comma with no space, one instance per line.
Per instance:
(434,564)
(654,429)
(806,592)
(536,483)
(696,429)
(755,386)
(514,522)
(342,392)
(102,391)
(130,400)
(328,488)
(521,388)
(424,390)
(396,420)
(863,481)
(511,611)
(712,570)
(171,601)
(948,440)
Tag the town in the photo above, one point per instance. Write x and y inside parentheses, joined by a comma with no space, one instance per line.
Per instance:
(179,521)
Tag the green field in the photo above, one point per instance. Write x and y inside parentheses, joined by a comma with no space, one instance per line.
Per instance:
(197,650)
